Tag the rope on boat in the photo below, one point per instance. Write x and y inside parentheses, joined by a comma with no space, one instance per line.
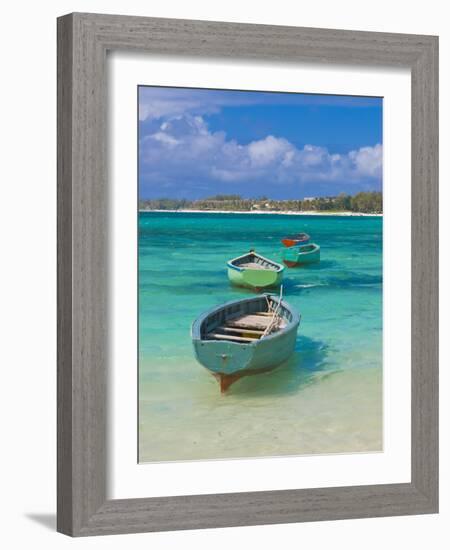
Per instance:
(269,305)
(275,318)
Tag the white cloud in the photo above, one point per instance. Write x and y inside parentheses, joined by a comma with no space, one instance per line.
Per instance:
(368,160)
(165,138)
(184,147)
(268,151)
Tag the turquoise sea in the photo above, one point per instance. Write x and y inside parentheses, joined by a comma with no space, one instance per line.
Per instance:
(326,399)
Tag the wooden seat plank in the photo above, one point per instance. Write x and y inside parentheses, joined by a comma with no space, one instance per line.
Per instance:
(231,337)
(258,331)
(249,321)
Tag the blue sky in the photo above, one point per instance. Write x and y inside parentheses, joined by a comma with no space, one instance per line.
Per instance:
(195,143)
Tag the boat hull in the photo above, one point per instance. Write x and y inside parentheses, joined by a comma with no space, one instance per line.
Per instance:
(230,358)
(254,278)
(225,380)
(297,256)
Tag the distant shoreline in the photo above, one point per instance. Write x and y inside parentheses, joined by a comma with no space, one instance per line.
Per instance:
(287,212)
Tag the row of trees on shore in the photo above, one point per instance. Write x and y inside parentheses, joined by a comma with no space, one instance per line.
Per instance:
(370,202)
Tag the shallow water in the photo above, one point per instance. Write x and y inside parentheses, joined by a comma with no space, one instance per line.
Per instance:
(326,399)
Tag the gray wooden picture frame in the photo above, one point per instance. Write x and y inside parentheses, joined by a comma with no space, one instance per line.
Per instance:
(83,42)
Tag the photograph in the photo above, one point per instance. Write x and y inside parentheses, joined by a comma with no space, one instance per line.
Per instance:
(260,274)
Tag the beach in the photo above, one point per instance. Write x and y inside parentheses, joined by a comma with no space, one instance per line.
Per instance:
(270,212)
(326,399)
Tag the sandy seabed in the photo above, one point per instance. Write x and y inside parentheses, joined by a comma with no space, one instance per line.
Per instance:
(337,412)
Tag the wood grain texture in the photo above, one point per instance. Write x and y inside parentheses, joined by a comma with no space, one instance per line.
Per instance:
(425,273)
(82,263)
(64,297)
(83,41)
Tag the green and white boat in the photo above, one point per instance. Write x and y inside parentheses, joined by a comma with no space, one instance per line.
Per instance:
(301,255)
(245,337)
(254,271)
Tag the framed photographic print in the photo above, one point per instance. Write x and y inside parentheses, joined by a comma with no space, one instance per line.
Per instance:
(247,269)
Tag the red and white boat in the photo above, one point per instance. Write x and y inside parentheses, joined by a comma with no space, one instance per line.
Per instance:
(295,240)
